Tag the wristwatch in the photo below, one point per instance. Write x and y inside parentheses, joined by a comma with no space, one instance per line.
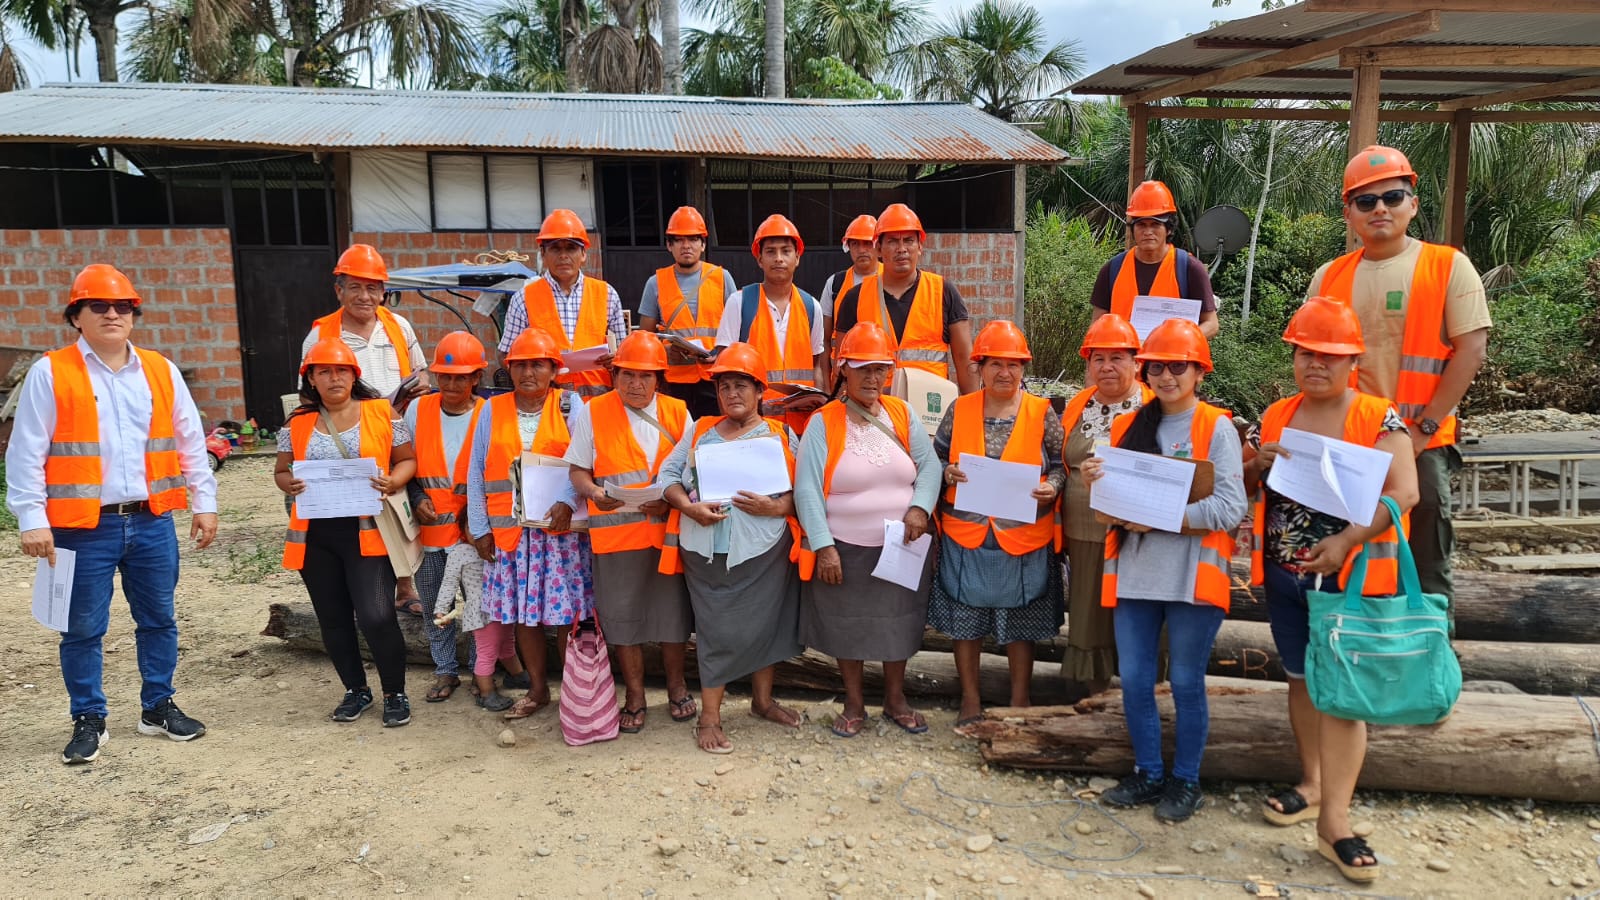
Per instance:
(1427,426)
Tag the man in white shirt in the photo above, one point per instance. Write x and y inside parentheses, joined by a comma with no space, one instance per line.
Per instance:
(107,443)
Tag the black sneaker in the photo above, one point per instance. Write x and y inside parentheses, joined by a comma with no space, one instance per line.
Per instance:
(88,733)
(1137,789)
(169,720)
(396,710)
(1179,800)
(354,704)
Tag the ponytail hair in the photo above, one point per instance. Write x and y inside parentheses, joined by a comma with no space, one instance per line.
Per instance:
(1141,434)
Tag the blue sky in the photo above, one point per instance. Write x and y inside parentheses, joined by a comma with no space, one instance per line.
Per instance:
(1107,32)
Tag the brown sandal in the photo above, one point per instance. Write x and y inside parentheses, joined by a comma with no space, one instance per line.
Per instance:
(775,713)
(443,687)
(525,707)
(719,749)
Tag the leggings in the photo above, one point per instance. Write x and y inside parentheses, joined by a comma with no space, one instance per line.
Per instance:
(496,641)
(350,590)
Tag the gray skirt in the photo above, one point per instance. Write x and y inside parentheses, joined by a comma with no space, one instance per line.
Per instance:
(747,618)
(864,617)
(638,605)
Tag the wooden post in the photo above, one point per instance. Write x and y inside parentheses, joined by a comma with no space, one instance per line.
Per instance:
(1138,141)
(1363,119)
(1455,190)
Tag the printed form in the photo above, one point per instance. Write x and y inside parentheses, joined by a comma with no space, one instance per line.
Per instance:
(1330,476)
(336,488)
(1148,312)
(1142,488)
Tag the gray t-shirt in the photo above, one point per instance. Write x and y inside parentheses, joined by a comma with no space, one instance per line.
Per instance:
(650,300)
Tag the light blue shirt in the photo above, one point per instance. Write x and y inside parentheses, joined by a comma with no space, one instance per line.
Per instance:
(741,535)
(477,496)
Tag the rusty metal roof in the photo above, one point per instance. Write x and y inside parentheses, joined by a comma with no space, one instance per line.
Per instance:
(1256,37)
(345,119)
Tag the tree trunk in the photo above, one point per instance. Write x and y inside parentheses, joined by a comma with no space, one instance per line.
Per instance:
(1506,745)
(103,28)
(671,49)
(773,58)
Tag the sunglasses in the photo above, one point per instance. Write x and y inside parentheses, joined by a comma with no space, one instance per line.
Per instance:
(1368,202)
(101,307)
(1176,368)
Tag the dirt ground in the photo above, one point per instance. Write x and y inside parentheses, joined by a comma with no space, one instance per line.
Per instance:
(307,807)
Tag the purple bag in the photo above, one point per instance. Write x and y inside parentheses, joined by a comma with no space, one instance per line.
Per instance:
(588,691)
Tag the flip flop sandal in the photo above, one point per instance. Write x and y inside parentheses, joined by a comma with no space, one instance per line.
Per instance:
(911,722)
(969,720)
(848,726)
(682,709)
(525,707)
(411,606)
(637,715)
(1295,809)
(443,687)
(769,717)
(1344,853)
(720,750)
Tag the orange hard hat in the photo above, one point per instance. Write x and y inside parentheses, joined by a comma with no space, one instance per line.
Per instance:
(777,226)
(330,352)
(1326,325)
(686,220)
(741,359)
(1374,164)
(563,225)
(641,351)
(862,228)
(1175,340)
(1109,332)
(99,281)
(534,343)
(458,354)
(362,261)
(1001,339)
(1149,200)
(898,217)
(865,342)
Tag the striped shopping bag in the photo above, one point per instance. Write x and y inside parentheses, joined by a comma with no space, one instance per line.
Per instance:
(588,692)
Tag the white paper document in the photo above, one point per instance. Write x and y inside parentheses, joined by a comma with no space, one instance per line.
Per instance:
(757,466)
(1148,312)
(336,488)
(543,481)
(634,497)
(684,345)
(1330,476)
(52,590)
(901,563)
(585,360)
(1143,488)
(998,489)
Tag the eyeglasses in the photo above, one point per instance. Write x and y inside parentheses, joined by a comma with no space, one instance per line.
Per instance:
(1176,368)
(101,307)
(1368,202)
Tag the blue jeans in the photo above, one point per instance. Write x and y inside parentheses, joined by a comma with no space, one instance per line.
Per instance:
(1289,614)
(1191,629)
(144,548)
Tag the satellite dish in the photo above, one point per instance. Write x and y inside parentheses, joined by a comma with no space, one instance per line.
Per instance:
(1221,230)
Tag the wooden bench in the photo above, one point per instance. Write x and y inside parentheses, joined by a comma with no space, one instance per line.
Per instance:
(1519,454)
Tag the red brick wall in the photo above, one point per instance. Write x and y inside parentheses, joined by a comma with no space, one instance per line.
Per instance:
(184,275)
(983,267)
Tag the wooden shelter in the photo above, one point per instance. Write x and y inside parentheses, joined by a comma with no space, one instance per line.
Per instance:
(1468,59)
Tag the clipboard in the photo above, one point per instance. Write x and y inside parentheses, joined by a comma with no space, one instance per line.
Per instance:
(580,516)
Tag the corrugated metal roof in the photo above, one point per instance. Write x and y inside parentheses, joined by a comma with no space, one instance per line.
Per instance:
(344,119)
(1254,37)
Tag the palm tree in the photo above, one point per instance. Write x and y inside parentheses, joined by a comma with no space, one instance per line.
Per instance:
(992,55)
(36,19)
(622,56)
(524,47)
(671,49)
(863,33)
(100,19)
(731,60)
(772,52)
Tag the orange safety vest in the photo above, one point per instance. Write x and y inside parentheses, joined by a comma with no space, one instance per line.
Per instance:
(833,417)
(593,319)
(505,447)
(1069,421)
(1424,349)
(73,470)
(447,489)
(1126,286)
(1024,446)
(671,559)
(922,346)
(702,325)
(1211,581)
(793,363)
(844,282)
(1362,425)
(619,461)
(377,440)
(331,328)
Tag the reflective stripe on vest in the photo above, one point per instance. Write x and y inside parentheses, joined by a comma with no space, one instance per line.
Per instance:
(923,345)
(73,469)
(697,323)
(1126,287)
(1363,424)
(505,448)
(1211,582)
(1424,349)
(1025,445)
(619,461)
(377,439)
(331,328)
(793,363)
(833,417)
(447,489)
(593,322)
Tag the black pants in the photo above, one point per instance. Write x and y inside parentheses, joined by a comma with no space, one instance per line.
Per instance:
(699,396)
(349,590)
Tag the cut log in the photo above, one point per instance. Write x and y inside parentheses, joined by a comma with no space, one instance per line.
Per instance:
(1507,745)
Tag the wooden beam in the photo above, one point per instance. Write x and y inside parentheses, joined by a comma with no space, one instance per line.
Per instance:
(1455,190)
(1247,43)
(1478,6)
(1451,77)
(1290,114)
(1539,115)
(1364,106)
(1426,55)
(1399,29)
(1526,94)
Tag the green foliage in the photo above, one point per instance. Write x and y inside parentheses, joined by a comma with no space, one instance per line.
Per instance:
(830,78)
(1062,258)
(993,54)
(8,522)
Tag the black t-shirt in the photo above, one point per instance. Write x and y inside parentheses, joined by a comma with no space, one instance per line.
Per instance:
(955,309)
(1144,275)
